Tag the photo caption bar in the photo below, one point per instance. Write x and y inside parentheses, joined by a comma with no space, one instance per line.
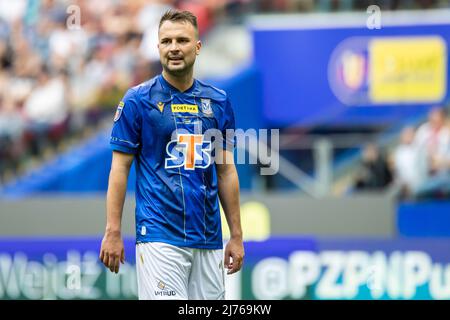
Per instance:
(226,310)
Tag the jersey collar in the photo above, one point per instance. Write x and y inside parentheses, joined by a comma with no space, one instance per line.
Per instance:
(166,85)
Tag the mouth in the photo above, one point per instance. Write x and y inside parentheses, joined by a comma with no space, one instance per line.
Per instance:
(175,59)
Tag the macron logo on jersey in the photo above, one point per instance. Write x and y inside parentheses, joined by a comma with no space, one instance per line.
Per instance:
(190,151)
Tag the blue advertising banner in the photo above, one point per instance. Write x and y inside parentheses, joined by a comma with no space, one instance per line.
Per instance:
(384,269)
(324,74)
(351,269)
(277,268)
(62,268)
(424,219)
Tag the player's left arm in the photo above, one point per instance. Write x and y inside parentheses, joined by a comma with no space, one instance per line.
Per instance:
(228,184)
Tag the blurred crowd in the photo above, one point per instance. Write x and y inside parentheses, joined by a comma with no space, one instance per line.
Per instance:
(418,166)
(64,65)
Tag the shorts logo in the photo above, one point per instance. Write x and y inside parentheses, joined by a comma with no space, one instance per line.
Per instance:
(119,111)
(164,290)
(161,285)
(206,106)
(190,151)
(178,108)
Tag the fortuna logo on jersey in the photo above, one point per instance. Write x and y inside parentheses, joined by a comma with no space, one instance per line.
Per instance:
(190,151)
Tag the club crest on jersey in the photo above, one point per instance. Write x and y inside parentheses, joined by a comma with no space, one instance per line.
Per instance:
(188,151)
(119,111)
(206,106)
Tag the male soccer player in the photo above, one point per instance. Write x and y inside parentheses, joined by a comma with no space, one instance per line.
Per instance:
(162,125)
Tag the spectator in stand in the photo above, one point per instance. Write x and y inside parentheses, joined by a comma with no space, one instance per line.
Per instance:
(46,110)
(410,164)
(433,139)
(11,135)
(374,173)
(148,25)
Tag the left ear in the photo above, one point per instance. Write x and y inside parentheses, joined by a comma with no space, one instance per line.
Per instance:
(198,46)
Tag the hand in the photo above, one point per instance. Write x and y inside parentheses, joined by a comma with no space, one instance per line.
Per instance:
(112,251)
(234,250)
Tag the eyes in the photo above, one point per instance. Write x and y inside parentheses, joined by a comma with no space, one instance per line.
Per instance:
(166,41)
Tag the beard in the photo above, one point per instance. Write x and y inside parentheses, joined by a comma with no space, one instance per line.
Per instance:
(178,70)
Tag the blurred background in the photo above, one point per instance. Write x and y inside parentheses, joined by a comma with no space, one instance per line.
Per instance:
(360,205)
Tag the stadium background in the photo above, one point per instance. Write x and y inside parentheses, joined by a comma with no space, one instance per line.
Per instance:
(328,225)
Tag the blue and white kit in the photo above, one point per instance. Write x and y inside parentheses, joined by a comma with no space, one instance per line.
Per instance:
(176,189)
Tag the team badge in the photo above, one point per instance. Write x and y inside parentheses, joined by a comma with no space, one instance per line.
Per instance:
(160,106)
(206,106)
(119,111)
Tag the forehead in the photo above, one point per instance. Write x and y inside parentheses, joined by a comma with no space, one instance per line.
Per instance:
(173,29)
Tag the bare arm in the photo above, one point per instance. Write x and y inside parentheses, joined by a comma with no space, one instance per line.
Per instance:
(228,183)
(112,250)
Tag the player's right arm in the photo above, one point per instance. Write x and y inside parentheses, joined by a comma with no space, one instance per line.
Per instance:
(112,249)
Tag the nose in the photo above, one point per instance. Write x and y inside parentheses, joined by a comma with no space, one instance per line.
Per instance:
(173,46)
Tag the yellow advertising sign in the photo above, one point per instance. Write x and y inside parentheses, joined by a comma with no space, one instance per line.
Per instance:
(407,69)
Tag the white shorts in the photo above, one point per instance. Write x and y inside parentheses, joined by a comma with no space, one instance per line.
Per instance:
(167,272)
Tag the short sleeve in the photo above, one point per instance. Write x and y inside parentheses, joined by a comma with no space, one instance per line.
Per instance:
(126,131)
(229,127)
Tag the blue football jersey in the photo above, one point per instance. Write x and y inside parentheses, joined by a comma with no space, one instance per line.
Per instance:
(169,132)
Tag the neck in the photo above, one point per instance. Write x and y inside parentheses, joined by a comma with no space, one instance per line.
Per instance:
(182,82)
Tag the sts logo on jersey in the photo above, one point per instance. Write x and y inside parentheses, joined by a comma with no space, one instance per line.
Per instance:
(190,151)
